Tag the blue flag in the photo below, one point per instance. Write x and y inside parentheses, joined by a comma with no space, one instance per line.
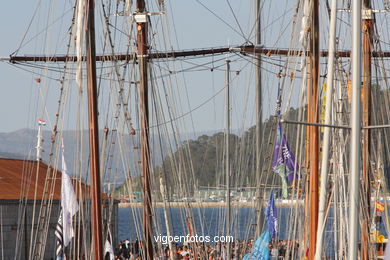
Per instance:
(272,216)
(260,248)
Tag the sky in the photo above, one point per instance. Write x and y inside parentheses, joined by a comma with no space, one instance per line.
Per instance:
(193,24)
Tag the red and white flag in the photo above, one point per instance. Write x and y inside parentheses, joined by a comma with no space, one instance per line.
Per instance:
(41,122)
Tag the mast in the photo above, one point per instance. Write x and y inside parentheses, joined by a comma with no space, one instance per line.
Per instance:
(312,112)
(367,24)
(327,130)
(227,143)
(142,55)
(258,120)
(97,240)
(167,224)
(355,133)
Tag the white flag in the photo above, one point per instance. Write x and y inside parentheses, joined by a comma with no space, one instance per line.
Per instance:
(68,203)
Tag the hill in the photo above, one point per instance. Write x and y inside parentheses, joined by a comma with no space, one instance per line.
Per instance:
(200,162)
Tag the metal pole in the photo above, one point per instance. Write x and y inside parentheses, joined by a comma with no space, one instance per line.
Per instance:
(260,217)
(227,162)
(326,143)
(94,135)
(313,118)
(142,55)
(355,135)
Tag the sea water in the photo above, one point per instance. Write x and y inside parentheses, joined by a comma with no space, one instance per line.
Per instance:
(208,221)
(211,222)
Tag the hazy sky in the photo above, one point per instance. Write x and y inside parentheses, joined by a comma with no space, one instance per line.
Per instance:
(193,26)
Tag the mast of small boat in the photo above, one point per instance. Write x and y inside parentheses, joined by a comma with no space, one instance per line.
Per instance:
(355,133)
(312,115)
(141,18)
(367,24)
(227,158)
(97,240)
(327,130)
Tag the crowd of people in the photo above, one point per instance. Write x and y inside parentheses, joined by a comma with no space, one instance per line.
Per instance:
(132,250)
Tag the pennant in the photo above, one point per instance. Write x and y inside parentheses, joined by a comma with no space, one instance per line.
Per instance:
(68,203)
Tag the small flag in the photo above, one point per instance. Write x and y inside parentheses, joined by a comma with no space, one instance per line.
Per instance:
(58,234)
(379,206)
(41,122)
(272,216)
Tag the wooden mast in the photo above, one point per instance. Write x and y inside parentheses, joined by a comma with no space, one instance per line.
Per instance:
(367,25)
(312,115)
(142,55)
(97,240)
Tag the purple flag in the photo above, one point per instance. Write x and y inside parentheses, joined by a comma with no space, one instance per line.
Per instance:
(283,160)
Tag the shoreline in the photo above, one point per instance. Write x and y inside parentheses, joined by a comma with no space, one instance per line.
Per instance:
(182,204)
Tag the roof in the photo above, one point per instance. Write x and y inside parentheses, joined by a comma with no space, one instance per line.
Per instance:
(20,179)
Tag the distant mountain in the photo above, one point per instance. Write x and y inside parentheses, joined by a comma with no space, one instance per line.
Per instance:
(21,144)
(11,155)
(195,160)
(18,142)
